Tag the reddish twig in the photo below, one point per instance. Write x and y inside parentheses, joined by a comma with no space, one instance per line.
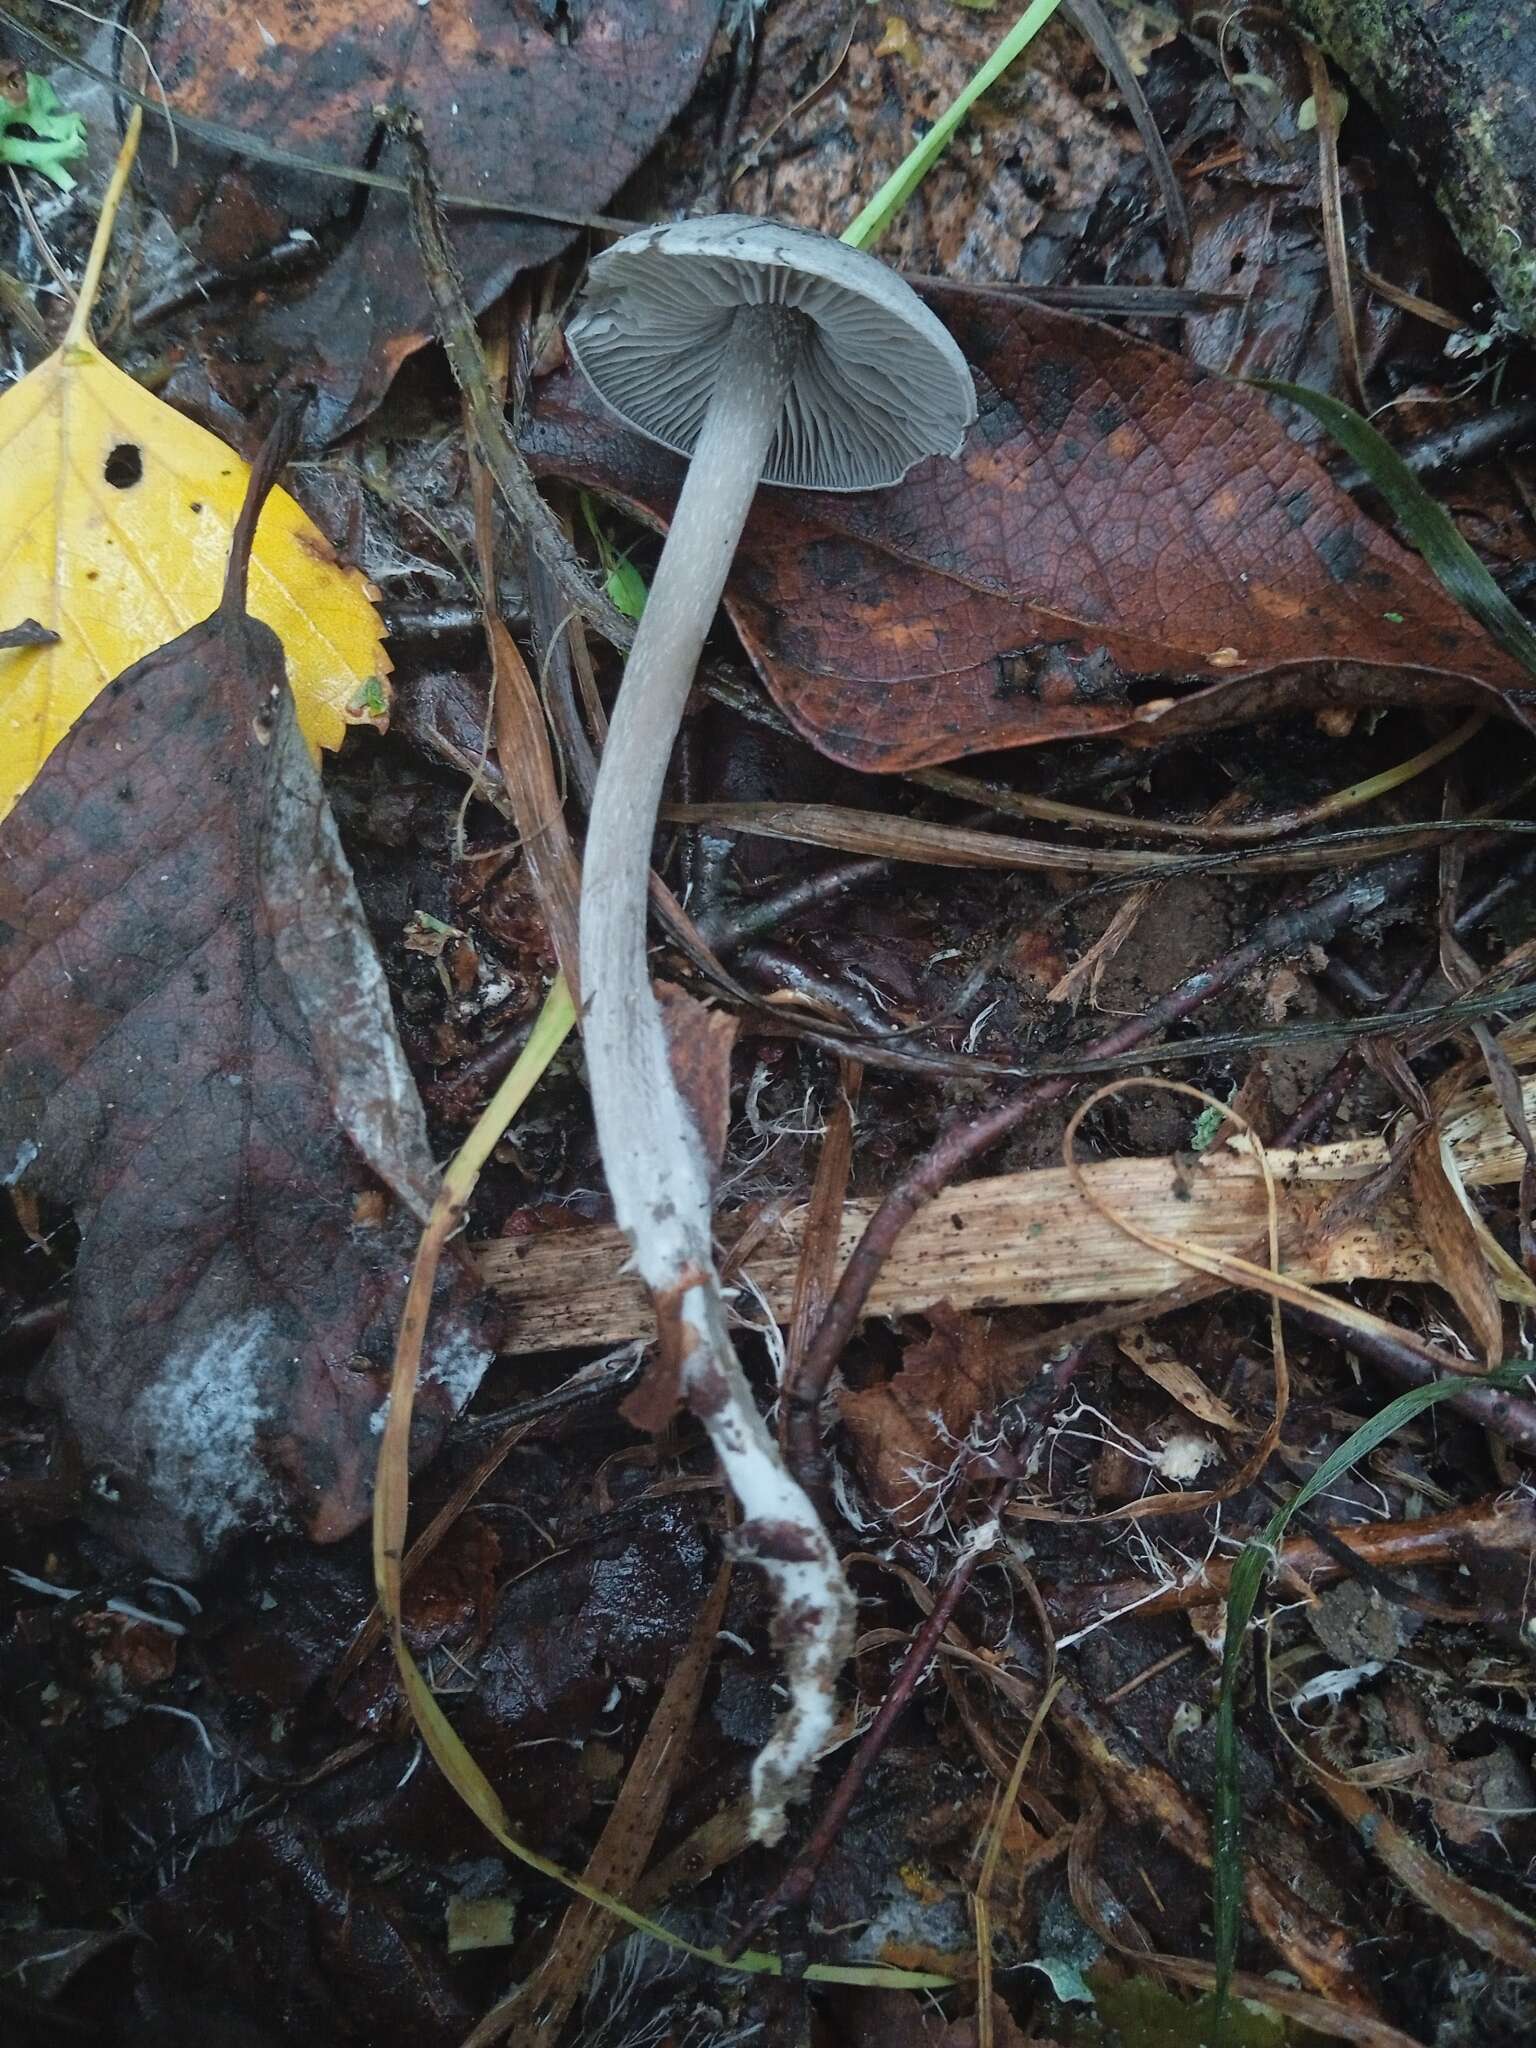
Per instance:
(1507,1415)
(1501,1523)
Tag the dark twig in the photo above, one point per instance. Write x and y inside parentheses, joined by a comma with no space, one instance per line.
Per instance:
(966,1138)
(1510,1416)
(449,618)
(1330,1091)
(726,930)
(1090,20)
(774,964)
(1032,1407)
(1498,431)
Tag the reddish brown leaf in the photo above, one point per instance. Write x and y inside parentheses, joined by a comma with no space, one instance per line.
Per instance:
(1116,512)
(197,1052)
(910,1431)
(517,99)
(699,1042)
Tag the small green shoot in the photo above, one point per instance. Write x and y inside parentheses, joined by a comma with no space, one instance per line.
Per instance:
(898,188)
(625,586)
(1210,1120)
(368,704)
(1248,1575)
(52,137)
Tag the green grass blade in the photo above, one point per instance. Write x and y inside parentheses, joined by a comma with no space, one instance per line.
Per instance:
(919,161)
(1423,519)
(1247,1581)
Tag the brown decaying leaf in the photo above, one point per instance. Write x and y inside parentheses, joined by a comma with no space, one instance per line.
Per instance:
(909,1431)
(1115,511)
(510,106)
(199,1056)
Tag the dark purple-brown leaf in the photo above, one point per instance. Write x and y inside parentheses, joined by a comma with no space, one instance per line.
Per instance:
(197,1055)
(518,99)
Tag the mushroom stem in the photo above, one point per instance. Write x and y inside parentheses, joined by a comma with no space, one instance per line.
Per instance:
(653,1154)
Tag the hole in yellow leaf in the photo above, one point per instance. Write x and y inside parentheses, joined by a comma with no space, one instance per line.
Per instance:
(125,466)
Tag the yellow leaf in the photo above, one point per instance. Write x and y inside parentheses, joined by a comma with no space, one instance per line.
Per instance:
(115,519)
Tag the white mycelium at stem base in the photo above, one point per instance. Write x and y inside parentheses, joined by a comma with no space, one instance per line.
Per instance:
(653,1155)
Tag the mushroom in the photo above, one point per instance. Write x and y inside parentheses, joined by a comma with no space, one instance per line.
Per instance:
(766,353)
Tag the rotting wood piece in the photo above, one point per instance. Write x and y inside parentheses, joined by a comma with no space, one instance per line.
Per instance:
(1022,1238)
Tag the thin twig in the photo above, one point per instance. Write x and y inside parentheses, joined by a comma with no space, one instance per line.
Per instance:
(1039,1398)
(796,1884)
(1334,244)
(1498,431)
(1089,18)
(1499,1523)
(492,439)
(1214,828)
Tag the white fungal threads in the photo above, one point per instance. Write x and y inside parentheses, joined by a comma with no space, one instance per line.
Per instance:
(201,1419)
(757,350)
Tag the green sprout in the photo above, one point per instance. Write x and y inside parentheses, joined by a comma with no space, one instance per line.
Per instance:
(1207,1124)
(625,586)
(39,135)
(368,704)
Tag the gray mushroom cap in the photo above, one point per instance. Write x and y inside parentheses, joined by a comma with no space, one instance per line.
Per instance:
(879,384)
